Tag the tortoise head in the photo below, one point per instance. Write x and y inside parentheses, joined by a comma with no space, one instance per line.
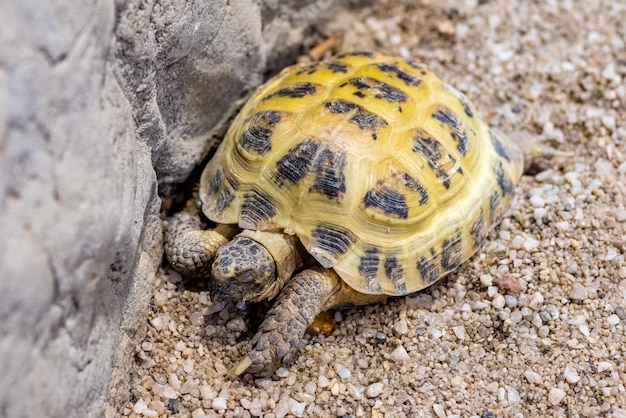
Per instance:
(243,270)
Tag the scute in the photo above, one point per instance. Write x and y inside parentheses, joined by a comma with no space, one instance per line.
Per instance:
(384,172)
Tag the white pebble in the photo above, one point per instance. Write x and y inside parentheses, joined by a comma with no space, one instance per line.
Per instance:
(219,404)
(516,316)
(459,331)
(399,354)
(486,280)
(533,377)
(282,408)
(570,374)
(577,320)
(512,395)
(439,411)
(401,327)
(511,301)
(198,413)
(555,396)
(206,392)
(237,325)
(579,292)
(168,392)
(530,244)
(188,366)
(322,381)
(157,323)
(435,333)
(342,371)
(296,408)
(537,201)
(140,406)
(498,301)
(189,386)
(282,372)
(255,408)
(173,381)
(563,225)
(375,389)
(196,318)
(612,320)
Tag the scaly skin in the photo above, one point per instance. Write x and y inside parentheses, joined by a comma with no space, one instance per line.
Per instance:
(191,250)
(280,335)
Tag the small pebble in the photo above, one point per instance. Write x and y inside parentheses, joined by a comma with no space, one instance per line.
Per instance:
(342,371)
(570,374)
(401,327)
(498,301)
(612,320)
(579,292)
(555,396)
(399,354)
(533,377)
(512,395)
(219,404)
(296,408)
(375,389)
(459,331)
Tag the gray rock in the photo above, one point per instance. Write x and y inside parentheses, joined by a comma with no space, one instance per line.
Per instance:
(99,103)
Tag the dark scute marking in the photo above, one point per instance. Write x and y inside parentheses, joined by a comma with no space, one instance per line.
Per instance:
(400,109)
(356,54)
(459,135)
(428,269)
(411,183)
(362,118)
(506,185)
(295,92)
(380,89)
(451,252)
(387,200)
(216,181)
(225,197)
(466,107)
(395,273)
(416,65)
(328,167)
(333,239)
(367,120)
(499,146)
(295,164)
(221,187)
(309,69)
(494,204)
(257,208)
(340,106)
(359,94)
(368,268)
(433,150)
(337,67)
(479,230)
(258,136)
(408,79)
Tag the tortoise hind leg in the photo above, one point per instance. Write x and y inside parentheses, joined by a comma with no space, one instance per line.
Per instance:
(190,249)
(280,335)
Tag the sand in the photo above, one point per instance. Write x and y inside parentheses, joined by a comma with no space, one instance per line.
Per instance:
(533,325)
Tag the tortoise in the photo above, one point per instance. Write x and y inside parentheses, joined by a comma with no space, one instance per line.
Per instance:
(343,182)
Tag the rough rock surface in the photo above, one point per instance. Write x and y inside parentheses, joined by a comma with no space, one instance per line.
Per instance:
(98,102)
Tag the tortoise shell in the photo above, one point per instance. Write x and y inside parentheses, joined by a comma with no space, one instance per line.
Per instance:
(385,173)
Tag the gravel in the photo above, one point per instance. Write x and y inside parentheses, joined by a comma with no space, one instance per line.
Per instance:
(549,343)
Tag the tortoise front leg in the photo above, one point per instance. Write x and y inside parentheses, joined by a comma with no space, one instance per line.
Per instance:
(190,249)
(280,335)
